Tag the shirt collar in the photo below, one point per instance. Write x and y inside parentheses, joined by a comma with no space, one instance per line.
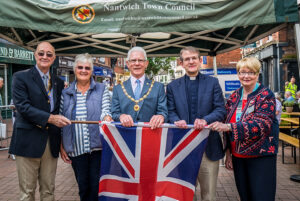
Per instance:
(189,78)
(133,79)
(41,73)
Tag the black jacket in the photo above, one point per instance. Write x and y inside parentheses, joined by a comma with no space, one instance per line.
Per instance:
(211,107)
(31,129)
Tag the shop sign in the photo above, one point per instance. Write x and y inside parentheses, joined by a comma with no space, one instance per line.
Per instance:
(101,71)
(232,85)
(15,54)
(224,71)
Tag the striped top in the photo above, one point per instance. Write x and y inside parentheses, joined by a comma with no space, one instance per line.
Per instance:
(82,137)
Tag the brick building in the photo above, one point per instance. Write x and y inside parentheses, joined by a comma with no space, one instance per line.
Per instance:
(278,55)
(225,60)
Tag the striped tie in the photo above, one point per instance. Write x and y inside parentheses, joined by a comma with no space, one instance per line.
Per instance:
(47,85)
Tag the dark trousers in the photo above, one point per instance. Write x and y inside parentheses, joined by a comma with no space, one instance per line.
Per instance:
(255,178)
(87,172)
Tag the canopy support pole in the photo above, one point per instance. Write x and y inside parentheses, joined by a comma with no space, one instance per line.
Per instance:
(215,66)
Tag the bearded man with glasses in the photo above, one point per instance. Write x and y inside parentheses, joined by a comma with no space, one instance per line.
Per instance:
(36,135)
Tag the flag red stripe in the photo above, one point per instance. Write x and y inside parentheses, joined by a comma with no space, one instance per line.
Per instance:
(118,150)
(173,190)
(115,186)
(181,146)
(151,142)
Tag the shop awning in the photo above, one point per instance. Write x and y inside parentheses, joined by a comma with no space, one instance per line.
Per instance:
(112,27)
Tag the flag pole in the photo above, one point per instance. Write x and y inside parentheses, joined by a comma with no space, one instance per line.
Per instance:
(141,124)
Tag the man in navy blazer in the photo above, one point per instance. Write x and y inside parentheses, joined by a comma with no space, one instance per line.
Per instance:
(139,99)
(36,135)
(197,99)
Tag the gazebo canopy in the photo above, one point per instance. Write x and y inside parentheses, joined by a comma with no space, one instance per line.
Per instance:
(111,27)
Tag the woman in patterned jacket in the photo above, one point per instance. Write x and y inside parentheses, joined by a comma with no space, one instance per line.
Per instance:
(251,131)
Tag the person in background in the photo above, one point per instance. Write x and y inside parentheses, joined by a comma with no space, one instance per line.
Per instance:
(278,107)
(298,96)
(197,99)
(84,100)
(252,132)
(66,84)
(291,87)
(288,96)
(14,114)
(139,99)
(36,134)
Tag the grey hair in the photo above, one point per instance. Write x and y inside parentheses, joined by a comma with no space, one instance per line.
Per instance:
(277,96)
(288,93)
(136,49)
(84,58)
(1,78)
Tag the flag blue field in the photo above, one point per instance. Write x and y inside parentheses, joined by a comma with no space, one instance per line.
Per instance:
(141,164)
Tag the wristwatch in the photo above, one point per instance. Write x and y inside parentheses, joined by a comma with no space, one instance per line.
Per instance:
(229,126)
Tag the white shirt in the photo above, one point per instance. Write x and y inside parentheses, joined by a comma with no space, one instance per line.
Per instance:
(134,84)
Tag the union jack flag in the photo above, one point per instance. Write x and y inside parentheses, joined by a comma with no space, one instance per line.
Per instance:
(140,164)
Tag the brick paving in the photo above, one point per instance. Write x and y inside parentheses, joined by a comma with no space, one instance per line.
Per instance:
(66,186)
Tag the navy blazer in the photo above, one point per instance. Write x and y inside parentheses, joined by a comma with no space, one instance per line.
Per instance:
(31,129)
(154,104)
(211,107)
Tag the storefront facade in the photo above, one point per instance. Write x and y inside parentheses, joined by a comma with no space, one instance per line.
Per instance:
(12,59)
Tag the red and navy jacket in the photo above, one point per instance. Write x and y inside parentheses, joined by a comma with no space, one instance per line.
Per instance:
(256,133)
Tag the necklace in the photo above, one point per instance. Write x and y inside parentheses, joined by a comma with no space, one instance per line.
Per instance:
(136,106)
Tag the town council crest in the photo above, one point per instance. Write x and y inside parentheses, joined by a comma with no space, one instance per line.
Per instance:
(83,14)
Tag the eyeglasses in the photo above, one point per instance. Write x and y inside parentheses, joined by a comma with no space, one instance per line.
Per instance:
(48,54)
(137,60)
(189,58)
(83,67)
(247,73)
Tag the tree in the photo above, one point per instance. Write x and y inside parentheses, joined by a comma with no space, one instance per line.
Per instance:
(157,63)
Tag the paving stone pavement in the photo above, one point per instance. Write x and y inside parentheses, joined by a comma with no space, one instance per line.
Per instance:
(66,186)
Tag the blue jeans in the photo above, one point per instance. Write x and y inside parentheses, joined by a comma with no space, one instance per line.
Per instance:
(87,172)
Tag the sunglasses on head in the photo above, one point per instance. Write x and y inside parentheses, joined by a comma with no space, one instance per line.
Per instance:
(83,67)
(48,54)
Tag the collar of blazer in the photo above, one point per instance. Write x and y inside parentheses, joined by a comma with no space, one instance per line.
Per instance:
(38,80)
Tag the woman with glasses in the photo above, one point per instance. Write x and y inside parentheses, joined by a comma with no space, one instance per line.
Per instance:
(251,131)
(84,100)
